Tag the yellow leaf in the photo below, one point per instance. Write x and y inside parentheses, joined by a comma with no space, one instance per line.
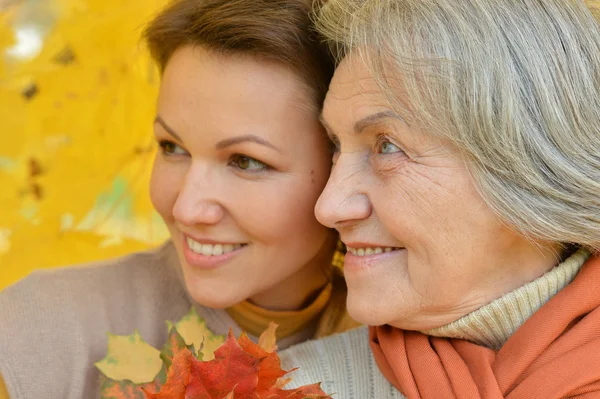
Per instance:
(268,339)
(194,331)
(130,358)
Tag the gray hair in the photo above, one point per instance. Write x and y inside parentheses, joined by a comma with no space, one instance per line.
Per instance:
(515,85)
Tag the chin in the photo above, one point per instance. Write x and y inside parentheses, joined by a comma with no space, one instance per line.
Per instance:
(212,301)
(366,312)
(216,298)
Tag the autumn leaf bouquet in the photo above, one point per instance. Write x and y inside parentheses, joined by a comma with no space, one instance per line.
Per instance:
(221,368)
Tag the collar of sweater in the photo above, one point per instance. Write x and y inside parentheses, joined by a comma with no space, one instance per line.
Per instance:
(255,320)
(493,324)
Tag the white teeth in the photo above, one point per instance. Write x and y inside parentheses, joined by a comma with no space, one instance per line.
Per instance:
(210,249)
(207,249)
(369,251)
(218,250)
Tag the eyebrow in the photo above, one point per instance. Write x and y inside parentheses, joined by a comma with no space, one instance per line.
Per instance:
(161,122)
(375,119)
(366,121)
(247,138)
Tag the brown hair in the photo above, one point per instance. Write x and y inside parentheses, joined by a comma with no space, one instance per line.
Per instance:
(279,30)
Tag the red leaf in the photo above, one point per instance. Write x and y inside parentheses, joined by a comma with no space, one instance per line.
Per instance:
(269,370)
(232,369)
(241,369)
(178,378)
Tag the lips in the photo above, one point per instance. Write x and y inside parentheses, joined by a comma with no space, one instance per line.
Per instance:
(210,254)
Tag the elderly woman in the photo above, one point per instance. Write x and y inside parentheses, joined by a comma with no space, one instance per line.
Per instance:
(466,187)
(241,162)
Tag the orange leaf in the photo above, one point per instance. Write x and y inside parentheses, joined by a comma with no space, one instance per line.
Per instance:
(232,369)
(241,369)
(269,369)
(178,378)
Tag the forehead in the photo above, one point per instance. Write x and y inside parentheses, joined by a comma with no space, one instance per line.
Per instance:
(353,93)
(195,74)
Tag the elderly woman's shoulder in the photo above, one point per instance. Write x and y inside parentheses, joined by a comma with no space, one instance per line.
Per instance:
(343,363)
(54,323)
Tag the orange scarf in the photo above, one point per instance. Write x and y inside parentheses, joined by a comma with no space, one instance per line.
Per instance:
(555,354)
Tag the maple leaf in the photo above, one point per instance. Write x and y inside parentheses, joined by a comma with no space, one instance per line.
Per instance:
(176,343)
(241,369)
(131,364)
(130,358)
(268,338)
(125,389)
(194,331)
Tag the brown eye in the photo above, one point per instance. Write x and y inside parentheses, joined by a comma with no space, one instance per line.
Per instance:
(243,163)
(170,148)
(246,163)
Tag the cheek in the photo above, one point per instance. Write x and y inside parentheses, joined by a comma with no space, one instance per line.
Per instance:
(283,215)
(165,183)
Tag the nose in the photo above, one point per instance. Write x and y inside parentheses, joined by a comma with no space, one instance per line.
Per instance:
(197,202)
(342,202)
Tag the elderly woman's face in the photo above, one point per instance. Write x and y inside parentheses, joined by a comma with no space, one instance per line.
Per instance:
(423,247)
(243,160)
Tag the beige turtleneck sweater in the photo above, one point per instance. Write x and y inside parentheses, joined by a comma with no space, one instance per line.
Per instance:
(54,324)
(345,365)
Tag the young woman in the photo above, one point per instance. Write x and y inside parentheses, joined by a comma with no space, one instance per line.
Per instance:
(242,161)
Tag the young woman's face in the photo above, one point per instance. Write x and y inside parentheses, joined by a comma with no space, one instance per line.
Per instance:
(241,164)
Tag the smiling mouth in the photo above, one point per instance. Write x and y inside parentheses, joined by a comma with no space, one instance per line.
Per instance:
(212,249)
(371,250)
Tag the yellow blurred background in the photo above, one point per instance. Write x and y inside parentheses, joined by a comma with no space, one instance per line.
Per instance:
(77,94)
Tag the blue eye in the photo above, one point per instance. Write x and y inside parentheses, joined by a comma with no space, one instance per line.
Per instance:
(170,148)
(245,163)
(386,147)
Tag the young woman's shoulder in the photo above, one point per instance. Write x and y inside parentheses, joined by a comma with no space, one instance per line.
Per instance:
(344,365)
(54,324)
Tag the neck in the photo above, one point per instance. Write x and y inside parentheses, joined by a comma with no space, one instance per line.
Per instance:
(524,262)
(301,287)
(493,324)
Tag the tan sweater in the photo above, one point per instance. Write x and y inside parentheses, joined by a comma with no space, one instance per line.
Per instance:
(345,365)
(54,324)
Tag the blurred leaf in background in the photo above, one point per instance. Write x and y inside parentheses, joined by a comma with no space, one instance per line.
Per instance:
(77,97)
